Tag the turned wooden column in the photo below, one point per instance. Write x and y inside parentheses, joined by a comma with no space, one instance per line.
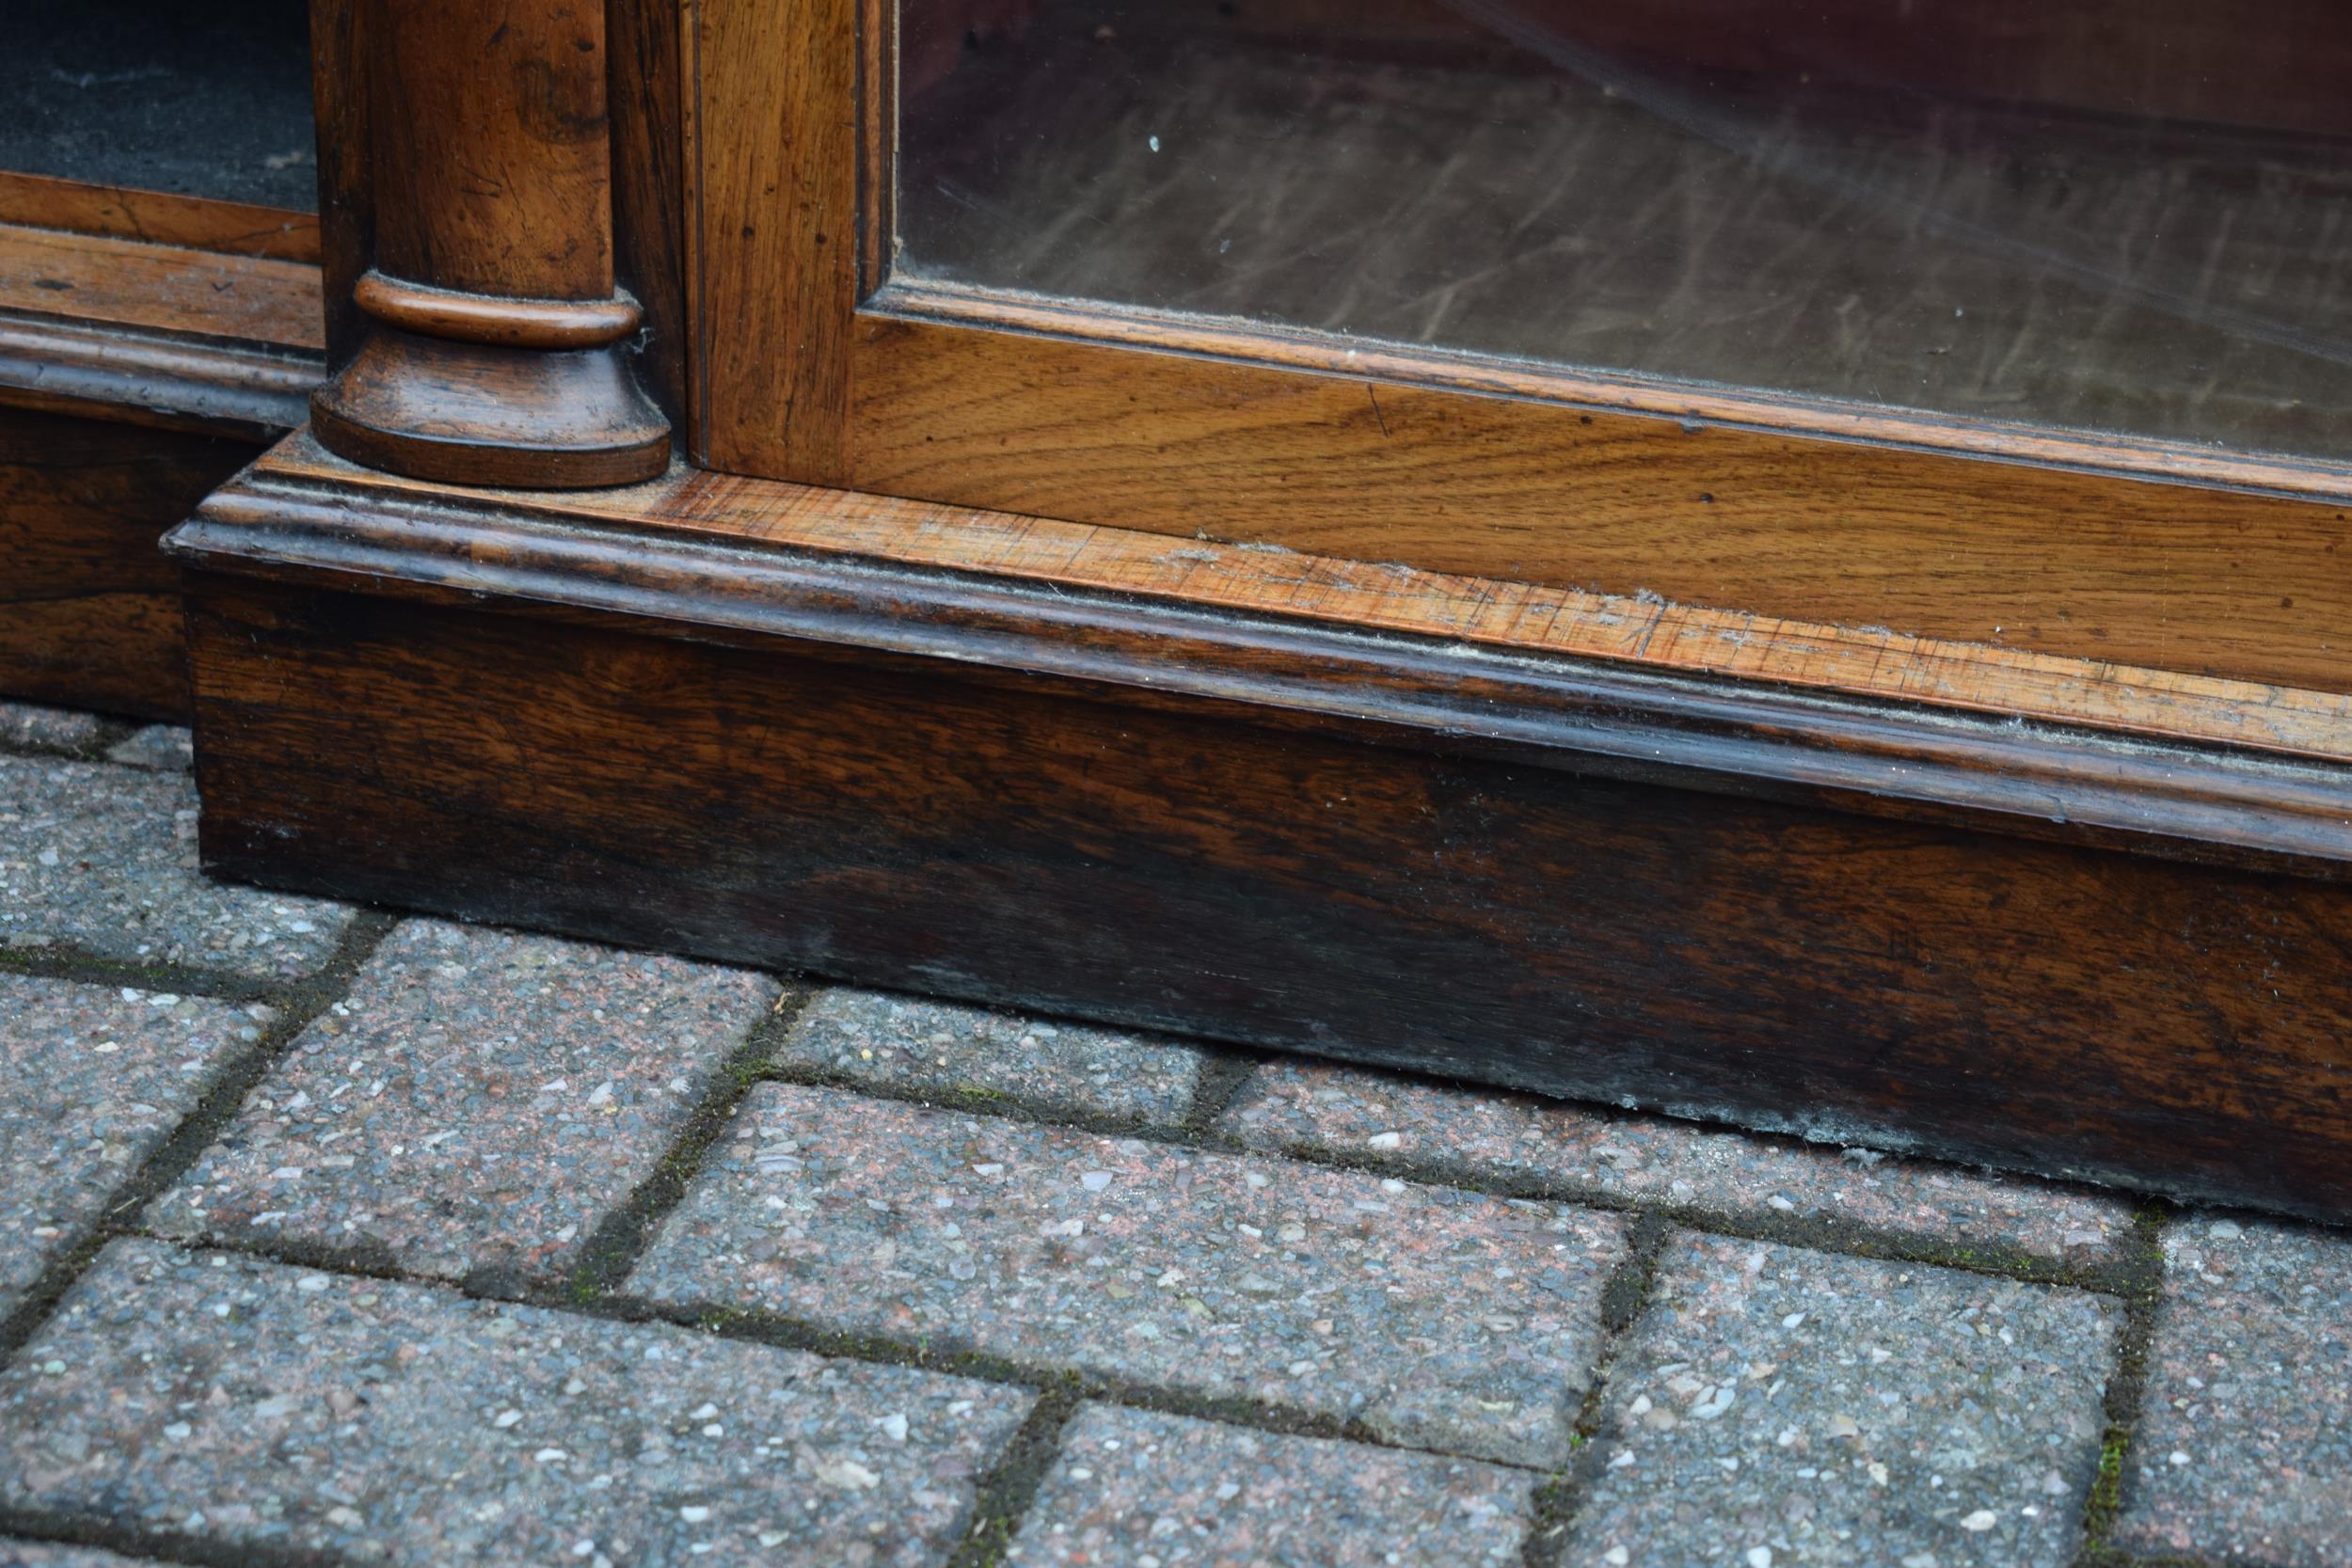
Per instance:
(490,328)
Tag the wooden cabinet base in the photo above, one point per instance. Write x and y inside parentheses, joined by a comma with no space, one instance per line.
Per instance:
(2042,947)
(135,374)
(90,608)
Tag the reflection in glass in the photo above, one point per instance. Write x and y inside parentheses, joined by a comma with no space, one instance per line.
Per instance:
(2118,215)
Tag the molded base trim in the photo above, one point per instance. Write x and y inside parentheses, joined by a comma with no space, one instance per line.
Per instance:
(2051,950)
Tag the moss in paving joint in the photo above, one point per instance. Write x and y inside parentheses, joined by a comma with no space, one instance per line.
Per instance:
(1623,1298)
(57,961)
(1007,1490)
(612,1248)
(216,1106)
(2142,1291)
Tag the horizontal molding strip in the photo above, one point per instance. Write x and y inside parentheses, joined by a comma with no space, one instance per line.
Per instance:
(105,372)
(1718,733)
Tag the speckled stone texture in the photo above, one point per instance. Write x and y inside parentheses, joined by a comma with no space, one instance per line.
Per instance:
(39,1554)
(478,1100)
(1345,1111)
(1442,1319)
(912,1044)
(91,1080)
(103,860)
(49,728)
(1138,1489)
(167,747)
(1777,1405)
(2245,1441)
(256,1406)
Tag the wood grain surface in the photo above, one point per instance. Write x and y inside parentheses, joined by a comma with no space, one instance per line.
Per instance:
(470,194)
(1689,509)
(1183,861)
(156,288)
(89,608)
(1644,633)
(772,160)
(158,217)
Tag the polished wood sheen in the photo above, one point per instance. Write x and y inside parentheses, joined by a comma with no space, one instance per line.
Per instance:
(466,170)
(762,738)
(1836,525)
(190,339)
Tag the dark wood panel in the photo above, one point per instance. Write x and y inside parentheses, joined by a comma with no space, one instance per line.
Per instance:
(89,608)
(1783,966)
(2032,946)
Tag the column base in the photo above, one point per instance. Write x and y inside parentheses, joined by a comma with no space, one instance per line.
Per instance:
(482,414)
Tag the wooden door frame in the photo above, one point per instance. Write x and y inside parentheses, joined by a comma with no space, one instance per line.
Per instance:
(805,360)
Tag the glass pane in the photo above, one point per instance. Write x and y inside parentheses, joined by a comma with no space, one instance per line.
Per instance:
(2118,215)
(162,95)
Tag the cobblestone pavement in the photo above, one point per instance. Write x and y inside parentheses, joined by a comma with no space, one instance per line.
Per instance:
(333,1237)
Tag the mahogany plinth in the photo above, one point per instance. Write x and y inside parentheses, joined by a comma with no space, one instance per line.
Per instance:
(473,413)
(1191,788)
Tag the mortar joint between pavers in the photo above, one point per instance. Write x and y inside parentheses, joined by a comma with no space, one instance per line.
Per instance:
(63,961)
(1625,1297)
(1849,1239)
(981,1103)
(959,1359)
(294,1004)
(177,1547)
(1007,1490)
(621,1237)
(2126,1384)
(112,732)
(1225,1071)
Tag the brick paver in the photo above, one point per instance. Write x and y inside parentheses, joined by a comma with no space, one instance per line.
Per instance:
(479,1101)
(95,1078)
(911,1044)
(251,1404)
(51,728)
(103,859)
(2245,1440)
(1345,1111)
(1779,1406)
(1140,1488)
(1441,1318)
